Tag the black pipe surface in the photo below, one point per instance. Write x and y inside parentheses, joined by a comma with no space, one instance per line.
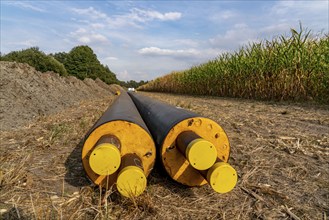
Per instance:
(158,116)
(122,109)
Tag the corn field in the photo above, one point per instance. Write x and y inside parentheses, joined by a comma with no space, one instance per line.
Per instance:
(294,67)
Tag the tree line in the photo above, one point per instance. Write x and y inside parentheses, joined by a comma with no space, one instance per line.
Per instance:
(80,62)
(132,83)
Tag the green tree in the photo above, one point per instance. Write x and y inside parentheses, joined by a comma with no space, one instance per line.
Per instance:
(83,63)
(61,56)
(80,62)
(132,83)
(36,58)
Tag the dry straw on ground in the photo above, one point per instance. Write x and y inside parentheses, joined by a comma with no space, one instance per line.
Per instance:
(280,152)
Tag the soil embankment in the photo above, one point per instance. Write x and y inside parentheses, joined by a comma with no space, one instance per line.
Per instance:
(27,94)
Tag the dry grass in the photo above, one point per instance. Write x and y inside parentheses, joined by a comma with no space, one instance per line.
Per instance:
(279,150)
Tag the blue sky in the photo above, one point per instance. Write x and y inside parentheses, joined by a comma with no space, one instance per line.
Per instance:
(141,40)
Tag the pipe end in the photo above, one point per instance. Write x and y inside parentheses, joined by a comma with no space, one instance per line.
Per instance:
(105,159)
(131,181)
(201,154)
(222,177)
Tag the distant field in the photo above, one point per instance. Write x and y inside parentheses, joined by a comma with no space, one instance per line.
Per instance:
(292,67)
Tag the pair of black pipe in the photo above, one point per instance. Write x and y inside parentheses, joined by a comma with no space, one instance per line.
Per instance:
(193,150)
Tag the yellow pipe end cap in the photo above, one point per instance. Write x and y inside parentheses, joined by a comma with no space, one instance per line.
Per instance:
(222,177)
(201,154)
(131,181)
(105,159)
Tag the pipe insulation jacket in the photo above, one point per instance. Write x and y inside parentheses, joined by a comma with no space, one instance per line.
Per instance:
(119,148)
(194,150)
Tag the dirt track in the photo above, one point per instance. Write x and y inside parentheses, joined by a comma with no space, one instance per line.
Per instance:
(280,151)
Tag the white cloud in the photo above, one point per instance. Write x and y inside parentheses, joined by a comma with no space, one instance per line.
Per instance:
(121,21)
(300,7)
(138,16)
(81,31)
(239,35)
(99,37)
(186,42)
(91,12)
(227,14)
(25,43)
(97,25)
(211,53)
(124,75)
(223,15)
(110,58)
(83,21)
(134,18)
(276,29)
(84,40)
(85,36)
(283,7)
(287,14)
(92,38)
(148,15)
(24,5)
(168,52)
(193,56)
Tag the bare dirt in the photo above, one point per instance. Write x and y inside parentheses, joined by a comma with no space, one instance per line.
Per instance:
(27,93)
(280,151)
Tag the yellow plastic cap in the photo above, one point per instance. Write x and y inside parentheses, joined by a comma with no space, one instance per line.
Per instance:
(105,159)
(201,154)
(131,181)
(222,177)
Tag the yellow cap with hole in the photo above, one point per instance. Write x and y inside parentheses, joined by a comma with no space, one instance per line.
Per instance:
(105,159)
(131,181)
(201,154)
(222,177)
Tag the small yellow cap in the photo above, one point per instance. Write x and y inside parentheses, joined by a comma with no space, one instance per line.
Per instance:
(131,181)
(201,154)
(222,177)
(105,159)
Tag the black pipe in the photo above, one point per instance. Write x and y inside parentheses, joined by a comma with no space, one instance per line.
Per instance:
(122,109)
(158,116)
(118,132)
(187,157)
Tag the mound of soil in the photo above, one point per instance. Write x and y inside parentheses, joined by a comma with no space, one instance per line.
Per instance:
(27,93)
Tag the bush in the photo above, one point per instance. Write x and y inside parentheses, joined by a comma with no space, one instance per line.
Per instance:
(36,58)
(83,63)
